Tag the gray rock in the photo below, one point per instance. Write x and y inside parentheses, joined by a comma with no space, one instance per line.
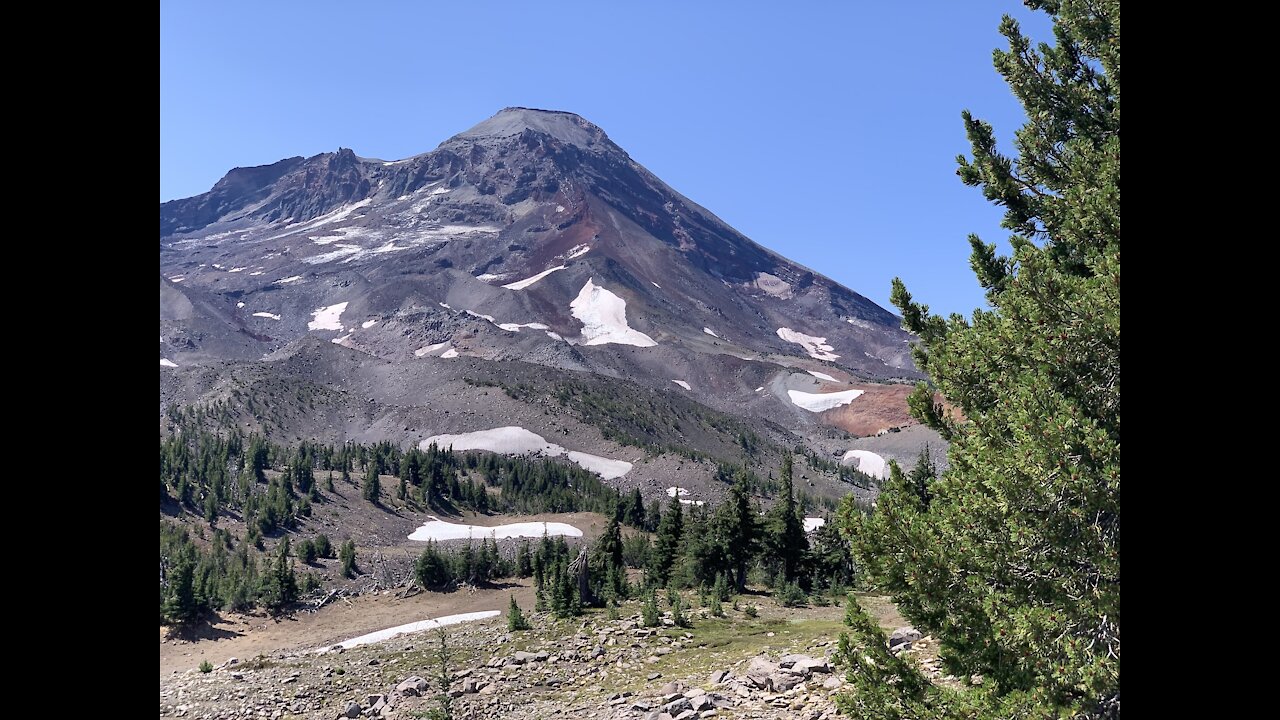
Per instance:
(677,706)
(653,676)
(352,710)
(672,687)
(413,686)
(717,677)
(903,636)
(759,670)
(521,657)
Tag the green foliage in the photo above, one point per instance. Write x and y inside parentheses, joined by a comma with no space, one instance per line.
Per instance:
(323,547)
(515,618)
(649,612)
(1012,557)
(279,587)
(678,608)
(444,702)
(307,552)
(347,558)
(666,548)
(206,666)
(371,486)
(790,595)
(751,611)
(784,535)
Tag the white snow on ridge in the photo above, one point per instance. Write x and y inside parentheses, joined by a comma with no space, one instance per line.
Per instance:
(604,318)
(368,324)
(577,251)
(656,285)
(420,352)
(343,251)
(266,315)
(437,529)
(515,327)
(816,347)
(682,384)
(821,376)
(449,354)
(674,491)
(167,363)
(515,440)
(291,278)
(341,340)
(413,627)
(811,524)
(867,462)
(818,402)
(486,277)
(328,318)
(710,332)
(759,388)
(522,284)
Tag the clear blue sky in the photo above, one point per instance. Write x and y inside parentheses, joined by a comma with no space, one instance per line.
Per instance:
(824,131)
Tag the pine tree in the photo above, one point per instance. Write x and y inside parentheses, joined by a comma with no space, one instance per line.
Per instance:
(1011,558)
(739,527)
(786,539)
(279,583)
(524,560)
(347,558)
(634,510)
(515,618)
(370,488)
(667,545)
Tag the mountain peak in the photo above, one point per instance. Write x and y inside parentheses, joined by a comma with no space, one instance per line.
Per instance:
(563,126)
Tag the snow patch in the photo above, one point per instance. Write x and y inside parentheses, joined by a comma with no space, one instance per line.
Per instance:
(822,376)
(522,284)
(818,402)
(344,251)
(710,332)
(413,627)
(266,315)
(421,352)
(515,327)
(167,363)
(237,269)
(816,347)
(656,285)
(290,279)
(239,304)
(327,318)
(682,384)
(445,306)
(811,524)
(577,251)
(867,462)
(449,354)
(759,388)
(368,324)
(515,440)
(176,278)
(559,208)
(340,340)
(437,529)
(258,272)
(486,277)
(555,336)
(604,318)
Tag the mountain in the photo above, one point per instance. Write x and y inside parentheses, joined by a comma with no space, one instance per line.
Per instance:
(529,240)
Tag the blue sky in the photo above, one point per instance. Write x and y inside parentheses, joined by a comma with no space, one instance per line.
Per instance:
(825,131)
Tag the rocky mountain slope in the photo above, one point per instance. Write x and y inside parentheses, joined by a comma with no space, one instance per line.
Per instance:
(531,237)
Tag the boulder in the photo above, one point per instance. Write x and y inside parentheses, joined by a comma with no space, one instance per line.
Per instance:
(413,686)
(521,657)
(784,681)
(677,706)
(717,677)
(759,670)
(903,636)
(352,710)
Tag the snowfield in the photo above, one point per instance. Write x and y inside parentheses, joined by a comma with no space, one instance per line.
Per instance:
(167,363)
(604,318)
(682,384)
(577,251)
(710,332)
(437,529)
(818,402)
(522,284)
(821,376)
(429,349)
(328,318)
(413,627)
(816,347)
(368,324)
(774,285)
(811,524)
(867,462)
(266,315)
(449,354)
(515,440)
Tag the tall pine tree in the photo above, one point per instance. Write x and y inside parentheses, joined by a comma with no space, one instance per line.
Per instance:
(1011,558)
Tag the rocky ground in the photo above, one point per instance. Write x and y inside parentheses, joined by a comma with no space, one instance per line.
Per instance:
(777,664)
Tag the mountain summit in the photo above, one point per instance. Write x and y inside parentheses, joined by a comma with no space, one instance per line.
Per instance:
(530,237)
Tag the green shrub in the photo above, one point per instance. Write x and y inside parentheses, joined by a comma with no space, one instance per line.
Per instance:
(206,666)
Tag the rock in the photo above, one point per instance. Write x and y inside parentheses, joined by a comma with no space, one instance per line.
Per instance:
(784,681)
(672,687)
(701,703)
(540,656)
(413,686)
(832,683)
(709,713)
(521,657)
(686,715)
(803,663)
(352,710)
(903,636)
(692,693)
(677,706)
(641,706)
(717,677)
(469,687)
(489,689)
(653,676)
(759,670)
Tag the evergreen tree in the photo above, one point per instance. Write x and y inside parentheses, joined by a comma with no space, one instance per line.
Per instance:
(1011,558)
(667,545)
(370,488)
(323,547)
(524,560)
(180,604)
(279,583)
(739,527)
(347,558)
(634,510)
(515,618)
(786,539)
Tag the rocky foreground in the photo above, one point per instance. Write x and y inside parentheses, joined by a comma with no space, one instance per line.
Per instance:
(590,667)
